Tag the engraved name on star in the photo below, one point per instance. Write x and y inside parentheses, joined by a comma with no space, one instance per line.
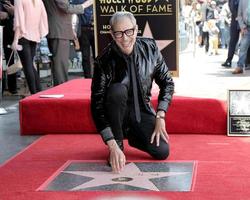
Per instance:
(131,176)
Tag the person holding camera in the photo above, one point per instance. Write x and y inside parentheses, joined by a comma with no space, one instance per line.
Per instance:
(6,19)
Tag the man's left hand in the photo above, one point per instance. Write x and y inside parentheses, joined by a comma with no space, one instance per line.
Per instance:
(87,3)
(159,132)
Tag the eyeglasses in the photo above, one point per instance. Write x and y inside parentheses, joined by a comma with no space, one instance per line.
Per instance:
(127,32)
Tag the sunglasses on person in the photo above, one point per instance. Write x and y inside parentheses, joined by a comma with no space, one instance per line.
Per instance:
(127,32)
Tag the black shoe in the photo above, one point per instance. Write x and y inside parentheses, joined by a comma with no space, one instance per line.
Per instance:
(10,93)
(226,64)
(13,92)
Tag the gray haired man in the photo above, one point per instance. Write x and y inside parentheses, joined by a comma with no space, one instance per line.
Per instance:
(121,92)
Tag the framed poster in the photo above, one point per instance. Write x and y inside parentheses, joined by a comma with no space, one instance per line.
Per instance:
(238,113)
(156,19)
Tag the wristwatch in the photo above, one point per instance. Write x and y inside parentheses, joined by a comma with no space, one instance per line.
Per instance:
(160,117)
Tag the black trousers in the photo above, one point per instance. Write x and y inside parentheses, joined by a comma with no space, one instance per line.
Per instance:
(124,125)
(27,56)
(86,40)
(8,36)
(234,37)
(205,40)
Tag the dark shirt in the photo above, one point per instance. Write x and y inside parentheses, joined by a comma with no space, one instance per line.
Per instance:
(127,81)
(85,19)
(233,6)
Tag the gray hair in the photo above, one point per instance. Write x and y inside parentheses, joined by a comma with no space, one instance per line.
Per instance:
(120,15)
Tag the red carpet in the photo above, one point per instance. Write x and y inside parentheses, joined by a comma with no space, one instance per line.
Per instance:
(71,114)
(223,170)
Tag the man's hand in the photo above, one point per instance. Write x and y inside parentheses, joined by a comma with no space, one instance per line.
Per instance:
(75,35)
(243,31)
(87,3)
(9,7)
(160,130)
(3,15)
(117,158)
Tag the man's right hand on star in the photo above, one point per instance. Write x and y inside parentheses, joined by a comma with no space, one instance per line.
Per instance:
(117,158)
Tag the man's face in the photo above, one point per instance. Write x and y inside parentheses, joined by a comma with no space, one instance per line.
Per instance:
(124,33)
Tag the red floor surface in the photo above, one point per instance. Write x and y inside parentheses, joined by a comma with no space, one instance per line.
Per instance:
(223,170)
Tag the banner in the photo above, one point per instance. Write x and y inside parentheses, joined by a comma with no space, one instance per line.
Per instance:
(155,19)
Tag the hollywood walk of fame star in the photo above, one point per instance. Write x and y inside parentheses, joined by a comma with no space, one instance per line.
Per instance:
(162,44)
(131,176)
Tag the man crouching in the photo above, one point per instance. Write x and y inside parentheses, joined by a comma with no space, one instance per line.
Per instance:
(121,92)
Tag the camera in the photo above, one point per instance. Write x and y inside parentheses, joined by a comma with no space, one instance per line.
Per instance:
(3,1)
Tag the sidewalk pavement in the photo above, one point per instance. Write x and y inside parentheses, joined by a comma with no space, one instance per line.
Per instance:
(203,76)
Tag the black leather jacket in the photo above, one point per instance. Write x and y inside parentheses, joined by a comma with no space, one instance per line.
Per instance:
(110,67)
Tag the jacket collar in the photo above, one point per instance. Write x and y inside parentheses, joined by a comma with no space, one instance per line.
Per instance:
(117,50)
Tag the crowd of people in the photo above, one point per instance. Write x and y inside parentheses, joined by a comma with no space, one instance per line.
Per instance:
(220,24)
(26,22)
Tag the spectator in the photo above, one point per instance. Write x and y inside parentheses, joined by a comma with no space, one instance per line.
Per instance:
(197,19)
(30,25)
(213,32)
(6,18)
(86,37)
(244,23)
(234,32)
(60,34)
(224,25)
(205,37)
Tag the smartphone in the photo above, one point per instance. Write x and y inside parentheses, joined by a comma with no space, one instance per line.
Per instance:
(19,47)
(3,2)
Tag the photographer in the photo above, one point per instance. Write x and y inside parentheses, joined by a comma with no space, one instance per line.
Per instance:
(6,19)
